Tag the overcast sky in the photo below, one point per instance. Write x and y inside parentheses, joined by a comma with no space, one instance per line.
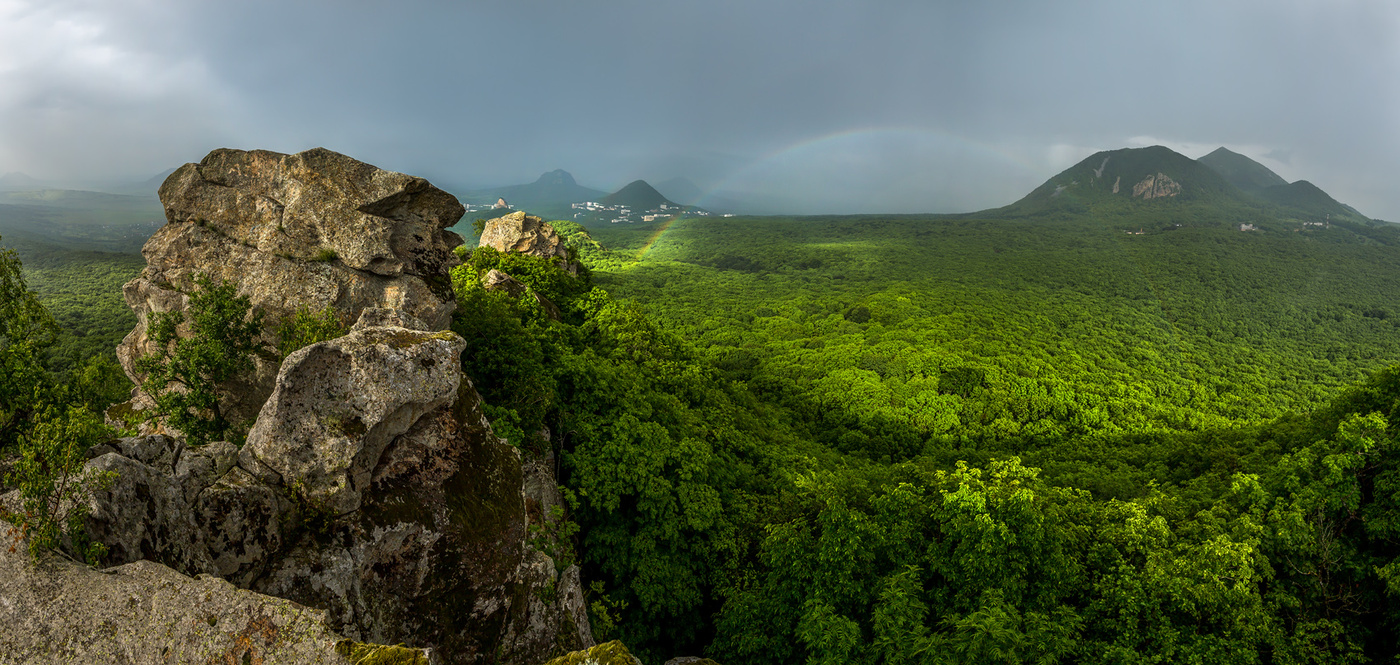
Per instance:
(860,106)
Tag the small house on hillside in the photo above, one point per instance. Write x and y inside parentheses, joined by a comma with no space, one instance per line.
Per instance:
(1248,227)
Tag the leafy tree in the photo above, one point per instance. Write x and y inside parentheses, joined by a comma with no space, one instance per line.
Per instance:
(26,329)
(185,375)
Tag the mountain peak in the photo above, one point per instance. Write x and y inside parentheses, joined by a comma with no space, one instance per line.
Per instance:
(1241,171)
(637,194)
(557,177)
(1151,173)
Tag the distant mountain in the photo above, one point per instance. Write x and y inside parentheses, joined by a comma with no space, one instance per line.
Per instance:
(681,190)
(1241,171)
(1146,174)
(1255,178)
(637,195)
(548,196)
(157,180)
(1308,198)
(16,180)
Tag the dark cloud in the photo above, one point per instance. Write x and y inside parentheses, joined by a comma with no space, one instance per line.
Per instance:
(801,104)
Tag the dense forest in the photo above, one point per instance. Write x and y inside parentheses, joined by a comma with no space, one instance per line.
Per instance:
(1036,439)
(1032,435)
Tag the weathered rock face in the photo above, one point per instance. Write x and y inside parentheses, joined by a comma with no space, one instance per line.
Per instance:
(144,612)
(438,551)
(527,234)
(314,202)
(316,229)
(338,404)
(1154,186)
(371,487)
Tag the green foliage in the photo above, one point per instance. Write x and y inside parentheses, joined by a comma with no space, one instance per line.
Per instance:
(603,612)
(307,327)
(26,330)
(325,254)
(52,482)
(83,291)
(185,375)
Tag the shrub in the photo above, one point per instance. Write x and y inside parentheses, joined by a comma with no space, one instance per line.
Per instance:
(53,483)
(184,375)
(307,327)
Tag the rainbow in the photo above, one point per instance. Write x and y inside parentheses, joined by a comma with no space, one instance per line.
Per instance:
(849,151)
(655,236)
(848,145)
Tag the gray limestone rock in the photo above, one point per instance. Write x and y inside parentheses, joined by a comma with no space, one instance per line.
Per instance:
(337,405)
(526,234)
(59,612)
(313,230)
(317,203)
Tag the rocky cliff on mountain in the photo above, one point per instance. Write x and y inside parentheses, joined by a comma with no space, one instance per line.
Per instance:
(371,486)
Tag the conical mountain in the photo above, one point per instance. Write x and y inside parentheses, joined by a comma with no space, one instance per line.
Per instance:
(1241,171)
(551,189)
(637,195)
(1154,174)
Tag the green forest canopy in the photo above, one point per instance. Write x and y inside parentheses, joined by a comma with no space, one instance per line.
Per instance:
(948,439)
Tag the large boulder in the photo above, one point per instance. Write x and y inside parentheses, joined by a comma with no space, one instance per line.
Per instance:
(56,611)
(315,203)
(313,230)
(338,404)
(437,553)
(526,234)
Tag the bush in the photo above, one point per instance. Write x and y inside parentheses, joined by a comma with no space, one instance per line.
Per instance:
(185,374)
(307,328)
(53,484)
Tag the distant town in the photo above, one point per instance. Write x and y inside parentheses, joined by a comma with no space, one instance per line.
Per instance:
(593,211)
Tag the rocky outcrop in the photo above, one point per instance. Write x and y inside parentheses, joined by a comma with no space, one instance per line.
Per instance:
(1156,186)
(316,204)
(313,230)
(57,611)
(372,488)
(338,404)
(526,234)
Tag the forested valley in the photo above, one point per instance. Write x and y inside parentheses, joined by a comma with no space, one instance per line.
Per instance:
(1027,435)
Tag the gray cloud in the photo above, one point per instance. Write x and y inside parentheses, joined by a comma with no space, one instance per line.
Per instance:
(812,106)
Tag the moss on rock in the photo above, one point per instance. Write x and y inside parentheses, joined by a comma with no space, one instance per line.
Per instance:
(359,653)
(608,653)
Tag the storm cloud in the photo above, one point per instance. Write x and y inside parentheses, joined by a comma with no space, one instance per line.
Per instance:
(798,106)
